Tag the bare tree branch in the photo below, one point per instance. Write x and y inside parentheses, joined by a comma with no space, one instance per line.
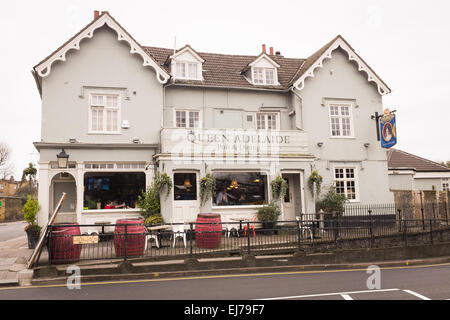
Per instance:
(6,167)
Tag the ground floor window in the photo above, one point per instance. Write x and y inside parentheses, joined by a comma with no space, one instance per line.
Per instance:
(240,188)
(445,184)
(185,186)
(345,182)
(112,189)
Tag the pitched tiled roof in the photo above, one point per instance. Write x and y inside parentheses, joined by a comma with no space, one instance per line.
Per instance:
(224,70)
(401,159)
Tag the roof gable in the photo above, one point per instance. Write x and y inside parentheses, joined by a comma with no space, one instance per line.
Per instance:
(187,49)
(43,69)
(263,56)
(316,61)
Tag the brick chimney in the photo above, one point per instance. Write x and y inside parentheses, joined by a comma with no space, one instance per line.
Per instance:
(271,51)
(96,14)
(264,48)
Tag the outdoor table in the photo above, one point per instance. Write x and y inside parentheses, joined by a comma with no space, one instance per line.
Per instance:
(103,225)
(240,222)
(102,236)
(157,229)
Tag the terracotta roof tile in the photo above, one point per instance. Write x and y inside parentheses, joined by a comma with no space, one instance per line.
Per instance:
(401,159)
(222,70)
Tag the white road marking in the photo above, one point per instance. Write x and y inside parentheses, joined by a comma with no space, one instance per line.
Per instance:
(346,297)
(329,294)
(416,294)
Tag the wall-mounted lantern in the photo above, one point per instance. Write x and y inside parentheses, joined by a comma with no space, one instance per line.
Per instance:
(63,159)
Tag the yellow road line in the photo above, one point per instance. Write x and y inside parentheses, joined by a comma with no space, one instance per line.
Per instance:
(407,266)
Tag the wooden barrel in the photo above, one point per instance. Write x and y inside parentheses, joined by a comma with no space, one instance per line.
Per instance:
(135,238)
(208,230)
(62,249)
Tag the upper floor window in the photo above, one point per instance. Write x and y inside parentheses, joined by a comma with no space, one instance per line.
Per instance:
(341,120)
(186,70)
(104,113)
(264,76)
(266,121)
(187,119)
(1,186)
(346,182)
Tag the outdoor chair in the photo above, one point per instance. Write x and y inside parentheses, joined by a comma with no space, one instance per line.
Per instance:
(149,236)
(251,226)
(305,228)
(230,228)
(178,231)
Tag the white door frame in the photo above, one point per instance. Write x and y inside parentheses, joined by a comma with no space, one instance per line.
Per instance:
(301,174)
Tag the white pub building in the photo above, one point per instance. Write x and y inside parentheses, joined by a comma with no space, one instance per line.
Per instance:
(119,112)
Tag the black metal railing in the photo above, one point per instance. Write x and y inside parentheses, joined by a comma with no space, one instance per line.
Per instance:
(359,226)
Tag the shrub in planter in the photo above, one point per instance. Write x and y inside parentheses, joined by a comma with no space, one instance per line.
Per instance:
(331,202)
(33,230)
(268,215)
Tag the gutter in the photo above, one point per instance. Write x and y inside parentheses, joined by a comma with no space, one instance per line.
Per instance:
(52,145)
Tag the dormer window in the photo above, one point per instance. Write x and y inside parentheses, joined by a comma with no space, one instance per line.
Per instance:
(264,76)
(187,64)
(262,71)
(186,70)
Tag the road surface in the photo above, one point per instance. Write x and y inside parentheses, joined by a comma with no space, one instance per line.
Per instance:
(400,283)
(12,230)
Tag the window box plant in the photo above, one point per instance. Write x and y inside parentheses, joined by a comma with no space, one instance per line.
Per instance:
(33,230)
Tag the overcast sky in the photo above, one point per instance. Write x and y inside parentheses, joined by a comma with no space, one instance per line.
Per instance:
(407,43)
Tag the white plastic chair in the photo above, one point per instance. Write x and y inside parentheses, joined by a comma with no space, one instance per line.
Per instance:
(305,228)
(230,228)
(178,231)
(151,236)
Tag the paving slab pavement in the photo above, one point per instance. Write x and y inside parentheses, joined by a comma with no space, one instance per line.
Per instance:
(14,254)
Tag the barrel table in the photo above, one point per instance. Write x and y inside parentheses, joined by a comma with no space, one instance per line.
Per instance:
(62,249)
(134,242)
(208,230)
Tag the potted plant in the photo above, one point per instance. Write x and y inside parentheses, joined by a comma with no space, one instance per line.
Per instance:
(149,203)
(268,215)
(33,230)
(279,188)
(315,183)
(331,202)
(207,188)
